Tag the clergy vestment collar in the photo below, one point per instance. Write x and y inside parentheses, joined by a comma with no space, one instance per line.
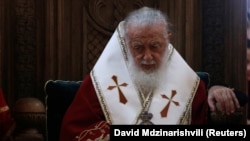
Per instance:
(119,98)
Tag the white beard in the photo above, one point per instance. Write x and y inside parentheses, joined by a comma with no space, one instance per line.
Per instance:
(146,82)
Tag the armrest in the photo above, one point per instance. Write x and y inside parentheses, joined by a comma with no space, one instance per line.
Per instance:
(237,118)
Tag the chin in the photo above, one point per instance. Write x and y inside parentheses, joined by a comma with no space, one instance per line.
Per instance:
(149,71)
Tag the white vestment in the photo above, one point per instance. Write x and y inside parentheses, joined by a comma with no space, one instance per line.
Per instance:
(179,77)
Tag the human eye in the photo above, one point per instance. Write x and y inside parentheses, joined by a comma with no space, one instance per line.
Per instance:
(155,45)
(137,45)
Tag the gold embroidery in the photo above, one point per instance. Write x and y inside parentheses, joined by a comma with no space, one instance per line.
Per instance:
(144,111)
(101,127)
(122,43)
(186,118)
(100,97)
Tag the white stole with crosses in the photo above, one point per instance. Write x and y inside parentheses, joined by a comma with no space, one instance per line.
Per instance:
(171,102)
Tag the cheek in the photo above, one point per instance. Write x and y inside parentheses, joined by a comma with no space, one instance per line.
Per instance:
(136,57)
(158,57)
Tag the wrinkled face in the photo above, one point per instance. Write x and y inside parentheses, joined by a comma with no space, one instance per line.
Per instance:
(147,45)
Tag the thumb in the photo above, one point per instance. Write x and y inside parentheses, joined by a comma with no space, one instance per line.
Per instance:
(211,105)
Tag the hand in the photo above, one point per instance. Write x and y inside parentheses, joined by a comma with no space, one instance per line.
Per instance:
(223,99)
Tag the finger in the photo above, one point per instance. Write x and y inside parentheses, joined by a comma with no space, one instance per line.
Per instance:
(220,102)
(234,103)
(228,102)
(235,99)
(211,104)
(223,102)
(212,100)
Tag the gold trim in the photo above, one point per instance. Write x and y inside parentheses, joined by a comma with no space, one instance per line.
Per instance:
(122,42)
(100,97)
(186,118)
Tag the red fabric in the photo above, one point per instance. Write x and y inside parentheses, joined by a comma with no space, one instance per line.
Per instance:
(6,120)
(200,106)
(85,112)
(75,120)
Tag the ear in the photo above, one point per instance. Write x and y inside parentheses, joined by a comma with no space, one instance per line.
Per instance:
(170,36)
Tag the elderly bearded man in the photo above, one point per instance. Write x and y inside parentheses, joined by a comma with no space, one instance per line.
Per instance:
(140,78)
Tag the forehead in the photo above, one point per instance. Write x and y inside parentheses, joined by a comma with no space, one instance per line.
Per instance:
(146,25)
(134,31)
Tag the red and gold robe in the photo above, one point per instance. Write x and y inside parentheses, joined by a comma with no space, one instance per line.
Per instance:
(108,96)
(85,119)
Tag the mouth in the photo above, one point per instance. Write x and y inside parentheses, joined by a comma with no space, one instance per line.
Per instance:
(148,67)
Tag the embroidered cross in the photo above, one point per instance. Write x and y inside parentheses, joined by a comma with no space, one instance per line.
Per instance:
(121,95)
(165,109)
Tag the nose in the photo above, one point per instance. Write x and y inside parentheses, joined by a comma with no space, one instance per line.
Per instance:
(147,55)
